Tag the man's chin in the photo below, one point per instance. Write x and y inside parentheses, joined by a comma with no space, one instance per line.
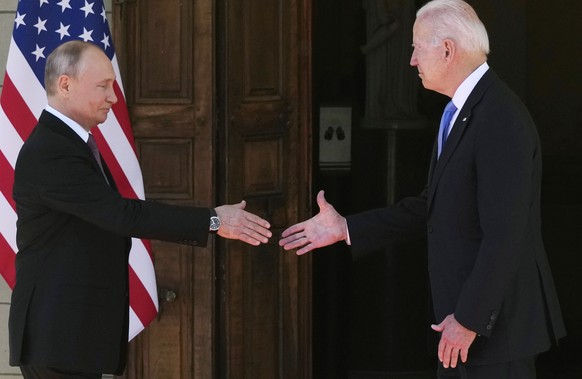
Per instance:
(104,118)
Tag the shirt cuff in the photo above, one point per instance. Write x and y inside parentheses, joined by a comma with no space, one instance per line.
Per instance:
(348,240)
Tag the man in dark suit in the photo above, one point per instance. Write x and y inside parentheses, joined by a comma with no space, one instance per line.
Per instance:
(69,311)
(493,293)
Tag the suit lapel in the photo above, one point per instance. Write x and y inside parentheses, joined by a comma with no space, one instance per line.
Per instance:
(462,122)
(58,126)
(108,174)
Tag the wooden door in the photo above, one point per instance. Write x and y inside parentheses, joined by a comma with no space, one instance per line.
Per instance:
(167,60)
(240,312)
(264,98)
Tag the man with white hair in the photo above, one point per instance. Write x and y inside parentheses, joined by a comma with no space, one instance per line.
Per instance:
(493,294)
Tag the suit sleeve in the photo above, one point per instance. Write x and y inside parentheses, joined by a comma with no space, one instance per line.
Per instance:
(65,180)
(379,228)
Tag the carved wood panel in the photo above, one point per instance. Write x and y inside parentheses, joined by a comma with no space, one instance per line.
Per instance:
(170,58)
(262,166)
(167,346)
(262,321)
(163,66)
(167,59)
(172,180)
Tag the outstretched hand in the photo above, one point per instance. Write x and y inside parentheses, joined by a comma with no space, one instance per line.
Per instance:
(323,229)
(455,341)
(236,223)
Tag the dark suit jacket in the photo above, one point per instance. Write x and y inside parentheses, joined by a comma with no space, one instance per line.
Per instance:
(69,304)
(481,215)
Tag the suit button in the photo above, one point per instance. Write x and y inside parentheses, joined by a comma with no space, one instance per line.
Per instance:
(489,327)
(429,228)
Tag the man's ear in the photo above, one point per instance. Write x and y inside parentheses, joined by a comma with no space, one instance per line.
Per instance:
(450,49)
(64,85)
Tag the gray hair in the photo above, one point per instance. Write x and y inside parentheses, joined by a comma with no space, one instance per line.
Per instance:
(455,20)
(64,60)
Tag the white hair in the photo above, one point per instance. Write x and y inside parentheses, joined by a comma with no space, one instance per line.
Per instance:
(455,20)
(66,59)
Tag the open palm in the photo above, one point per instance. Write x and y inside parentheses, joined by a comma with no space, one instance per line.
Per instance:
(323,229)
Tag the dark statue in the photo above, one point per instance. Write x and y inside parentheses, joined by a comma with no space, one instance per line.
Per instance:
(391,83)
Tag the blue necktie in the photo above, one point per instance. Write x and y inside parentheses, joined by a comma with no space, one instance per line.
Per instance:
(450,110)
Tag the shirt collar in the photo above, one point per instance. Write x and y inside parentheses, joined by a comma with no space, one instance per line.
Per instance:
(465,89)
(70,123)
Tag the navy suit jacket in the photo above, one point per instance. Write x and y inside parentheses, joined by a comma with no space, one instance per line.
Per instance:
(70,303)
(481,212)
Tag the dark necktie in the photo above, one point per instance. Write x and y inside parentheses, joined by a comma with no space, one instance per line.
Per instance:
(93,146)
(450,110)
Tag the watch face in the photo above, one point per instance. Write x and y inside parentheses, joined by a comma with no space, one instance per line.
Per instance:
(214,223)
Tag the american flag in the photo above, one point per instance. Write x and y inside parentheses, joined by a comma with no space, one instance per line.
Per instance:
(39,27)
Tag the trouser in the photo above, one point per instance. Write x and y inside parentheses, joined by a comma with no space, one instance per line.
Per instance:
(519,369)
(38,372)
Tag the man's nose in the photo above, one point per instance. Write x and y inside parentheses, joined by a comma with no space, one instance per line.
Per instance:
(112,98)
(413,61)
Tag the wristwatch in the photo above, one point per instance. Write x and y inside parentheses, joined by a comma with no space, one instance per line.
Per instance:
(214,221)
